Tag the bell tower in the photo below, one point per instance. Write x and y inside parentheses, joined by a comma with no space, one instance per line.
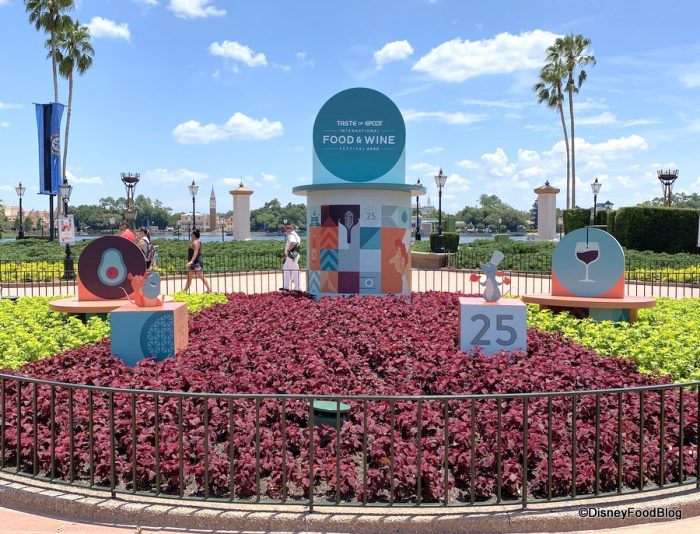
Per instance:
(212,210)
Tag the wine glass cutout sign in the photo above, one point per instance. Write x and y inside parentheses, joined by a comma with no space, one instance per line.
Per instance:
(587,252)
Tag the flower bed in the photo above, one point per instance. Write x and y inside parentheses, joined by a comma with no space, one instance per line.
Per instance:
(285,343)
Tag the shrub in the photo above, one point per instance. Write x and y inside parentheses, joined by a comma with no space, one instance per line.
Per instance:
(664,339)
(576,218)
(610,220)
(451,240)
(671,230)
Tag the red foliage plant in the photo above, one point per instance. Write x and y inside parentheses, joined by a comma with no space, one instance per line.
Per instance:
(197,441)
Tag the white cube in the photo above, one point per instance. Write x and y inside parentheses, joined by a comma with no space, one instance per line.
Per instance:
(493,326)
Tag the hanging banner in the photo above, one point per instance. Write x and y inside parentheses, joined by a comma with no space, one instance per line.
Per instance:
(66,230)
(48,121)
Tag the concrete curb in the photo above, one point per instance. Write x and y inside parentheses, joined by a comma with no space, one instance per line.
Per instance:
(35,496)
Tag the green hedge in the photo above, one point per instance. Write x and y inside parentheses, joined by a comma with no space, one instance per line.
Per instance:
(451,241)
(576,218)
(671,230)
(610,220)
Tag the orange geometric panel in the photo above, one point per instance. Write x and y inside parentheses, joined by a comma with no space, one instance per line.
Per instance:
(329,281)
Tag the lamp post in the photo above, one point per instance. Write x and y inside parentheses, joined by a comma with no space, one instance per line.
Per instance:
(440,180)
(20,193)
(68,265)
(595,187)
(193,191)
(111,226)
(221,221)
(418,236)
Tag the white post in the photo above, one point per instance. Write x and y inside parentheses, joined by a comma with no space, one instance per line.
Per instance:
(546,212)
(241,212)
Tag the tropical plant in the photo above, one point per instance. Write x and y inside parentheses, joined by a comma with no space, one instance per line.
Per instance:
(570,50)
(49,16)
(549,90)
(74,52)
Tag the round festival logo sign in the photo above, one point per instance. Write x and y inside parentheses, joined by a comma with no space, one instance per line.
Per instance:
(105,264)
(359,135)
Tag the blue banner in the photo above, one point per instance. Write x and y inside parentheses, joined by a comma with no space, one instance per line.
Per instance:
(48,121)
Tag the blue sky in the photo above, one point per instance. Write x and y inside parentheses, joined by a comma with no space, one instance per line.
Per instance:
(227,90)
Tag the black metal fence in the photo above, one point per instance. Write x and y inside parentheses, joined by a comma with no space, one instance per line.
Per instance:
(386,451)
(262,273)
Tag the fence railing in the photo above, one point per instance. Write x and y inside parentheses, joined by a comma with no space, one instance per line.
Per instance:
(366,450)
(247,274)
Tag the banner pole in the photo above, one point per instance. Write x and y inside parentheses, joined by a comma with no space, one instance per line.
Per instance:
(51,224)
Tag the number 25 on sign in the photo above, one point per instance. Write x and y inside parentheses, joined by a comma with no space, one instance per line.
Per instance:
(492,326)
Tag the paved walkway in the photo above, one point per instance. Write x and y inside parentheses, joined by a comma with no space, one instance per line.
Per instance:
(14,522)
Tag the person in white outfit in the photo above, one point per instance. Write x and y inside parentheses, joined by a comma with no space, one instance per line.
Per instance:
(291,259)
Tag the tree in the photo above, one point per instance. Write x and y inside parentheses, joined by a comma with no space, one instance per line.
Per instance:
(678,200)
(491,210)
(49,16)
(570,51)
(549,90)
(74,53)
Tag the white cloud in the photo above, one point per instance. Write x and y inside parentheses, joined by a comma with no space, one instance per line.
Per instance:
(621,147)
(434,150)
(442,116)
(4,2)
(467,164)
(148,3)
(394,51)
(108,29)
(505,104)
(9,105)
(192,9)
(425,169)
(4,124)
(691,76)
(604,118)
(269,178)
(95,180)
(178,176)
(239,126)
(238,52)
(457,60)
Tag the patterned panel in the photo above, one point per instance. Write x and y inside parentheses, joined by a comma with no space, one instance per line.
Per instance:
(396,263)
(370,283)
(395,217)
(314,284)
(329,260)
(314,216)
(348,260)
(315,248)
(370,261)
(329,282)
(370,238)
(348,282)
(328,238)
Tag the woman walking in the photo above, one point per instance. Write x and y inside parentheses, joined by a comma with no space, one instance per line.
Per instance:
(145,245)
(195,263)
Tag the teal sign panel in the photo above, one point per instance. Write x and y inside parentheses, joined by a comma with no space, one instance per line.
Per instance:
(588,262)
(359,136)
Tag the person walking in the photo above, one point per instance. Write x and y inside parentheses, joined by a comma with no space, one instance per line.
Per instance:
(126,232)
(291,260)
(195,263)
(145,245)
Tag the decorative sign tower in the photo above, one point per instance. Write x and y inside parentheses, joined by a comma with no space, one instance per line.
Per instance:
(547,211)
(359,206)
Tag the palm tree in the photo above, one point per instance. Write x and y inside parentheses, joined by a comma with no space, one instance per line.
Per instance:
(48,15)
(570,50)
(74,53)
(549,90)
